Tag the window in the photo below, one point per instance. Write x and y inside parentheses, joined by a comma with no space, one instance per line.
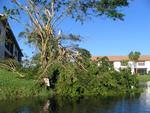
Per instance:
(7,56)
(9,44)
(141,63)
(16,53)
(142,71)
(0,30)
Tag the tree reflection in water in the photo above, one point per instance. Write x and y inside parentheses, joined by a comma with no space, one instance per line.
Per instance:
(73,105)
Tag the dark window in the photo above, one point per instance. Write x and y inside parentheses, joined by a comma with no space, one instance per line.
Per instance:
(142,71)
(0,30)
(7,56)
(16,53)
(19,57)
(9,43)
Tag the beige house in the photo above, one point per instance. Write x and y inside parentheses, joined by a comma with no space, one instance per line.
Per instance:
(9,47)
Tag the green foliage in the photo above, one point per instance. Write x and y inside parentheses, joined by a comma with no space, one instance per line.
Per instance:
(104,65)
(70,80)
(13,87)
(109,8)
(134,56)
(11,65)
(79,9)
(31,72)
(26,69)
(97,80)
(125,79)
(124,62)
(143,78)
(85,54)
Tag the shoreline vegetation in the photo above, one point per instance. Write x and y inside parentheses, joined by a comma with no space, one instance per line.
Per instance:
(13,87)
(70,81)
(143,78)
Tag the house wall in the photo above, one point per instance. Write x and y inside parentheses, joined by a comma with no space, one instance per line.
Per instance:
(147,64)
(117,65)
(2,40)
(132,65)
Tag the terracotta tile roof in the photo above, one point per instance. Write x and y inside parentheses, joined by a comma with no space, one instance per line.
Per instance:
(120,58)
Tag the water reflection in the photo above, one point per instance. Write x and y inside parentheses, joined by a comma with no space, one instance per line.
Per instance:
(128,104)
(145,98)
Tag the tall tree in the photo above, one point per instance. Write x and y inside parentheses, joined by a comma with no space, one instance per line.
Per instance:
(45,16)
(134,56)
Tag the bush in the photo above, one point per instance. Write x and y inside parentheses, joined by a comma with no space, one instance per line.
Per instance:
(95,81)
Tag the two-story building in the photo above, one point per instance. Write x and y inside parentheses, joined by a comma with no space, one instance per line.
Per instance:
(142,66)
(9,47)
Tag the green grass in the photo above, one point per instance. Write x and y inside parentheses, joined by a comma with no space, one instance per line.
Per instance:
(143,78)
(12,86)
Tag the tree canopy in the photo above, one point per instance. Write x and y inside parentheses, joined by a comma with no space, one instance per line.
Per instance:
(134,56)
(45,16)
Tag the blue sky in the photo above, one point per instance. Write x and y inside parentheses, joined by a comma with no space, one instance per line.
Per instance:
(104,36)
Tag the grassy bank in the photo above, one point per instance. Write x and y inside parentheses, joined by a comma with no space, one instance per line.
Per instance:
(143,78)
(12,86)
(105,84)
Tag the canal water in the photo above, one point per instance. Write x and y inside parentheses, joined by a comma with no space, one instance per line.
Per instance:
(129,104)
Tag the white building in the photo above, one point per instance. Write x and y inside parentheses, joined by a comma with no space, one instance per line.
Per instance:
(142,66)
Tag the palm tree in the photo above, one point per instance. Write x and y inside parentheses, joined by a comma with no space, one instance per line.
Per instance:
(134,56)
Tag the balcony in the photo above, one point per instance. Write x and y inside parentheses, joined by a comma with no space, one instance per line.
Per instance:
(140,63)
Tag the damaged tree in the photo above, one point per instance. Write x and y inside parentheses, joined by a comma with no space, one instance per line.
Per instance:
(45,16)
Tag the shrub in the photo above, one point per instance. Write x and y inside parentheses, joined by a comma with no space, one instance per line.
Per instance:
(95,81)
